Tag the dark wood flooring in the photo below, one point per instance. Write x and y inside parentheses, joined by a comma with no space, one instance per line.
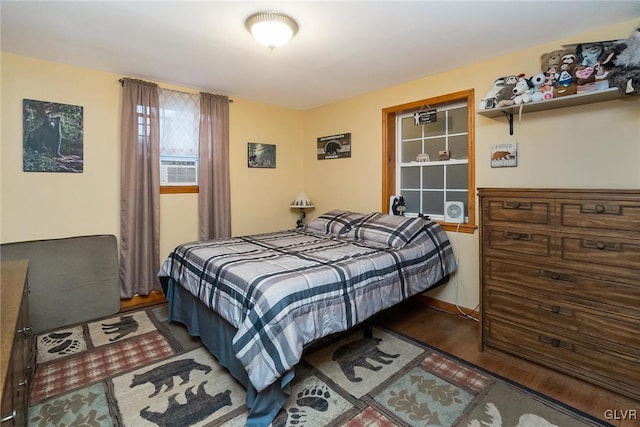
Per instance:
(459,336)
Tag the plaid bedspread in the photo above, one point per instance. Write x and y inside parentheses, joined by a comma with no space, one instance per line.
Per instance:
(286,289)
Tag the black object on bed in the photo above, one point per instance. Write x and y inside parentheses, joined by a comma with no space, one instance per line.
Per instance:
(270,295)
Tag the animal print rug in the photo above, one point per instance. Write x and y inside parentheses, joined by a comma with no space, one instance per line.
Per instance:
(137,369)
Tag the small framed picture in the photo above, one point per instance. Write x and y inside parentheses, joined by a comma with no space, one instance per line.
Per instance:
(504,155)
(334,146)
(261,155)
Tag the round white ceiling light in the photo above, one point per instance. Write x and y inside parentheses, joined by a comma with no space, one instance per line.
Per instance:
(271,29)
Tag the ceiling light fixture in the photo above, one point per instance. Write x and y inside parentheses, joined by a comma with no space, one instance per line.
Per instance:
(271,29)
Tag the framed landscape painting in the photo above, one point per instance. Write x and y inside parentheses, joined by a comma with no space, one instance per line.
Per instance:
(261,155)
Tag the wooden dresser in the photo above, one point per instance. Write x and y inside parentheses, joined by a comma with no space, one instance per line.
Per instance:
(17,357)
(560,280)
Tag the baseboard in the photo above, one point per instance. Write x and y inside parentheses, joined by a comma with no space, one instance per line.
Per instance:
(140,301)
(445,306)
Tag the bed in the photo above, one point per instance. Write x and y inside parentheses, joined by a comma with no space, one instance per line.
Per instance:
(257,301)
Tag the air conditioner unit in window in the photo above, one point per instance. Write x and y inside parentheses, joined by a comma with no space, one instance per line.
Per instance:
(178,171)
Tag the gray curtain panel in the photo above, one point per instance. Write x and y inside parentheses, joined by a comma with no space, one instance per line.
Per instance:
(139,189)
(213,180)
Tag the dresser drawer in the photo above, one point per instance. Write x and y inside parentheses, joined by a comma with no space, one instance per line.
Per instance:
(603,215)
(526,277)
(518,241)
(595,252)
(518,210)
(566,318)
(590,361)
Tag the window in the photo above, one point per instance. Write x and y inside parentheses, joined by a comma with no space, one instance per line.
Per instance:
(427,186)
(179,136)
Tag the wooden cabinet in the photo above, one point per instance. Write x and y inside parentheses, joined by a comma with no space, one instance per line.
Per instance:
(17,359)
(560,280)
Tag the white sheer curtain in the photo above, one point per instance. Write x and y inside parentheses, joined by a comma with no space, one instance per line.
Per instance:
(213,180)
(179,122)
(139,189)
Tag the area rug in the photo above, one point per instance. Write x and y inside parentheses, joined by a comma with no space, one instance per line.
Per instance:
(138,369)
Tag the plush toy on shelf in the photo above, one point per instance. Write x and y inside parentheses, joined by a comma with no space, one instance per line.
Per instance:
(489,101)
(565,85)
(626,73)
(505,96)
(522,91)
(551,63)
(537,83)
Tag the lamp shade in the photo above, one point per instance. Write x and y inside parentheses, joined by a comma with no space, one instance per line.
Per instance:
(271,29)
(302,201)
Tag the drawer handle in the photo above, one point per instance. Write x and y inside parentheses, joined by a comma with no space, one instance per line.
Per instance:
(516,205)
(9,417)
(555,342)
(556,276)
(23,383)
(556,309)
(24,330)
(600,245)
(517,236)
(599,208)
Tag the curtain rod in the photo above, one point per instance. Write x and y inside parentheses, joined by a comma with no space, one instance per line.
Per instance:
(122,84)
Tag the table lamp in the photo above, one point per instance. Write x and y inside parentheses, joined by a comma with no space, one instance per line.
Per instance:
(301,201)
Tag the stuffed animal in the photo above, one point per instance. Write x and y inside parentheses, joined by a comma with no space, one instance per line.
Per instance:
(565,85)
(489,101)
(537,83)
(551,63)
(504,96)
(626,73)
(585,74)
(522,91)
(589,53)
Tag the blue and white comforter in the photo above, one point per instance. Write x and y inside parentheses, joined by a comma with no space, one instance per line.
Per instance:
(286,289)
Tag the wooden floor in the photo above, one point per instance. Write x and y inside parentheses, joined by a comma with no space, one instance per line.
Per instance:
(458,335)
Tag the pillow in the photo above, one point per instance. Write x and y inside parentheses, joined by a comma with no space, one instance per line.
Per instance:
(392,230)
(334,222)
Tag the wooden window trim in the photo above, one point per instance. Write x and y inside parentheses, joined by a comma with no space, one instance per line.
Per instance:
(179,189)
(389,152)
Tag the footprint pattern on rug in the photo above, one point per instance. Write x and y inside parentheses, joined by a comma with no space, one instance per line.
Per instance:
(315,404)
(60,343)
(315,397)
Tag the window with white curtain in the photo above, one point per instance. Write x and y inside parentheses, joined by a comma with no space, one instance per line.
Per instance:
(179,127)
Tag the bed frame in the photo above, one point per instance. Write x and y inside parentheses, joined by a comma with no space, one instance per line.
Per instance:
(260,295)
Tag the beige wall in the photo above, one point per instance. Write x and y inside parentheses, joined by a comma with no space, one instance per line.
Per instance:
(590,146)
(585,146)
(53,205)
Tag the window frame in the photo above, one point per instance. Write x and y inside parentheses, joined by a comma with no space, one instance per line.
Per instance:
(389,151)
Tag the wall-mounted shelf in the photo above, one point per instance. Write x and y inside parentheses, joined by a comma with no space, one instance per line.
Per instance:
(565,101)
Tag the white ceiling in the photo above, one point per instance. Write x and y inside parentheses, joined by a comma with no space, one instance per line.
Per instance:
(342,49)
